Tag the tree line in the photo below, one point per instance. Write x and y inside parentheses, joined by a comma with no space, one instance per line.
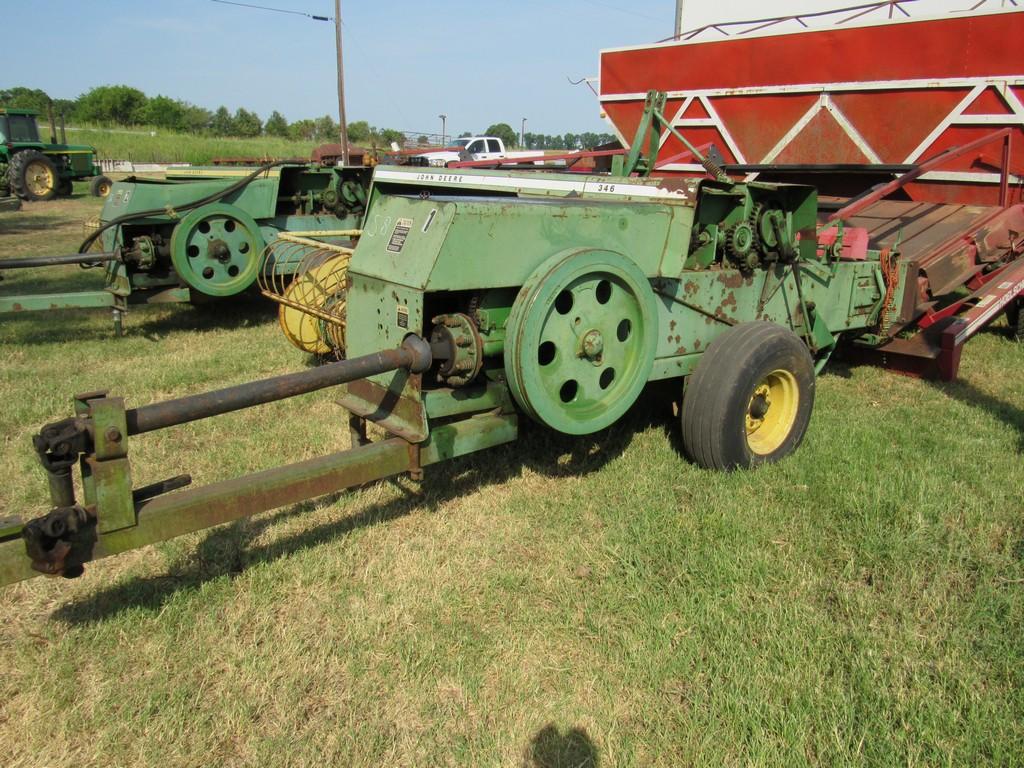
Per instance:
(124,106)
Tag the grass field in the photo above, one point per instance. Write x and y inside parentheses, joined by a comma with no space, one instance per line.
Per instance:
(167,147)
(556,602)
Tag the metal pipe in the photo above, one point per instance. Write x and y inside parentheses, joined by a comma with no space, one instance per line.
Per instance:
(414,355)
(872,196)
(706,162)
(52,261)
(53,124)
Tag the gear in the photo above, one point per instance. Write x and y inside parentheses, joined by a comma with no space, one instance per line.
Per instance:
(739,241)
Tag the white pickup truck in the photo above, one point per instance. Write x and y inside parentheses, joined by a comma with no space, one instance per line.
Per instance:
(469,148)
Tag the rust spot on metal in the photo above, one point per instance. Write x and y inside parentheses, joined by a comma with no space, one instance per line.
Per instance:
(696,344)
(672,325)
(731,279)
(677,338)
(690,288)
(730,300)
(680,350)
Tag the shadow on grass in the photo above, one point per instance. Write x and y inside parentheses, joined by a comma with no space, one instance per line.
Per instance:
(236,312)
(225,550)
(970,395)
(60,326)
(18,225)
(551,748)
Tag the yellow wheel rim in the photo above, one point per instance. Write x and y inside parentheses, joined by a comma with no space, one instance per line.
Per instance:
(771,412)
(103,189)
(40,178)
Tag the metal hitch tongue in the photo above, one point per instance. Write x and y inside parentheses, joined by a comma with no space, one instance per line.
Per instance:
(60,542)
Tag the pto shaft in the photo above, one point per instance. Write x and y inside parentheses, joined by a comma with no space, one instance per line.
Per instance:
(414,355)
(53,261)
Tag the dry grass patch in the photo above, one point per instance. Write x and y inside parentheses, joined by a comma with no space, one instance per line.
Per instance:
(559,601)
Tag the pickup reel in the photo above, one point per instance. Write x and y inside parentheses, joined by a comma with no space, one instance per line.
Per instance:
(309,280)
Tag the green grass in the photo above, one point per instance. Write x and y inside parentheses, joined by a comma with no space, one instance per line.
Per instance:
(167,147)
(557,602)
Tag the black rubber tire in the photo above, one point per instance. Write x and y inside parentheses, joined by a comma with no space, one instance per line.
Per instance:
(18,168)
(99,186)
(1015,319)
(718,395)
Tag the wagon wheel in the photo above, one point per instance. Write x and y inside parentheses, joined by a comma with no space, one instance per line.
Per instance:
(581,341)
(750,400)
(1015,319)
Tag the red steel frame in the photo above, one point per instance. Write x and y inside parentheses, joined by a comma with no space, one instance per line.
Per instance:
(879,95)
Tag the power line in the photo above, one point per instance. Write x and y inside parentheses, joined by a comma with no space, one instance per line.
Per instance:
(276,10)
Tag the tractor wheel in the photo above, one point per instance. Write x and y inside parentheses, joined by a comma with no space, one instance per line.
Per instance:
(99,186)
(1015,319)
(33,176)
(749,401)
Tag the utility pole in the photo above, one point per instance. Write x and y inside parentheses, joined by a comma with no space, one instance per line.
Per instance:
(522,134)
(341,85)
(679,17)
(444,119)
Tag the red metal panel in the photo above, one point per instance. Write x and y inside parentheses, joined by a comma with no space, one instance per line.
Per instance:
(822,140)
(775,116)
(960,46)
(894,123)
(890,93)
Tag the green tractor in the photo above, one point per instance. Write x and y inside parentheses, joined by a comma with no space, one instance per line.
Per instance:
(34,169)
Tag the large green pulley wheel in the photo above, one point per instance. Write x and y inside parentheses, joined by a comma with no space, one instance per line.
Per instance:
(581,341)
(216,249)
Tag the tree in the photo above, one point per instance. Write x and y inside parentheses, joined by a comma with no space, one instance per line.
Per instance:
(221,123)
(65,107)
(327,129)
(195,119)
(276,125)
(303,130)
(246,123)
(387,136)
(25,98)
(117,104)
(163,112)
(359,132)
(505,132)
(422,140)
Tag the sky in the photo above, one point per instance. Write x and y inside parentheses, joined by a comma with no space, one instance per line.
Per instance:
(405,62)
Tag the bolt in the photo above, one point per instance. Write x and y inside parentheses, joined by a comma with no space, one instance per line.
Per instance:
(113,435)
(463,341)
(593,344)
